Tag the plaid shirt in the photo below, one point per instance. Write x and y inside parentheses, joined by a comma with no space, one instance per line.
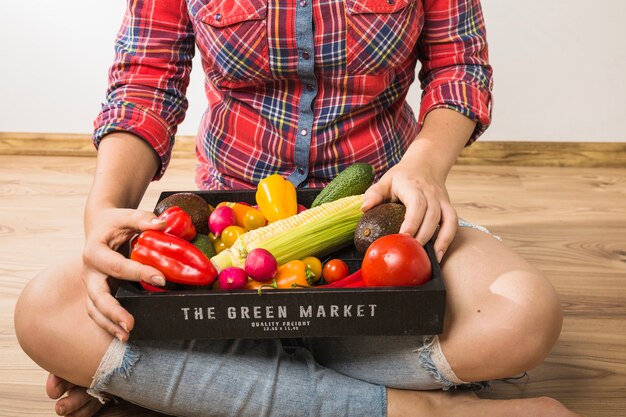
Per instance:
(299,87)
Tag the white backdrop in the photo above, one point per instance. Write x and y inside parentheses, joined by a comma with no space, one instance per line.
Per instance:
(560,68)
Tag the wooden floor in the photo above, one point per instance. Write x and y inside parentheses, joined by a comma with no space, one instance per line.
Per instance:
(570,222)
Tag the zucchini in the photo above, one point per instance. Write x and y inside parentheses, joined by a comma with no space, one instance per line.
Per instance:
(351,181)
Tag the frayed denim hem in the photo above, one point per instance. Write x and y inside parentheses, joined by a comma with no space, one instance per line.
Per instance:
(434,362)
(118,360)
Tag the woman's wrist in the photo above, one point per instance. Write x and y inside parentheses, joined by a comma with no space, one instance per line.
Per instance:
(440,141)
(125,167)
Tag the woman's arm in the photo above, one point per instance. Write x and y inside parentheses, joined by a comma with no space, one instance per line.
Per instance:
(455,109)
(418,180)
(125,166)
(134,133)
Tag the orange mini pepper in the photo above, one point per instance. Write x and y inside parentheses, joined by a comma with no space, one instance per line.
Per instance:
(293,274)
(276,198)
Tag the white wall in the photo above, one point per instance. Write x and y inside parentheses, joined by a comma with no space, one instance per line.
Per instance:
(560,67)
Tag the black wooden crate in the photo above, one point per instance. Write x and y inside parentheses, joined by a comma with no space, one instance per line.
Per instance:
(314,312)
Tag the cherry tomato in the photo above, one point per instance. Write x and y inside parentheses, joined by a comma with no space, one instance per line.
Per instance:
(395,260)
(219,245)
(334,270)
(230,235)
(253,219)
(315,265)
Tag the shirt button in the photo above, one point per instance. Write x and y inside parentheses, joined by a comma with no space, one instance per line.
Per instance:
(391,1)
(302,3)
(305,55)
(301,170)
(304,132)
(218,17)
(309,87)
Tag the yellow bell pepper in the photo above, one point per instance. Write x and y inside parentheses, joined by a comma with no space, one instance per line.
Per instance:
(276,198)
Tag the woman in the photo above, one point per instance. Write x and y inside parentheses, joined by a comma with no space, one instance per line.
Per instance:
(303,89)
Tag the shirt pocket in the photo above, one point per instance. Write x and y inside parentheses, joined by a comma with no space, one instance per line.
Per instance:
(232,35)
(381,33)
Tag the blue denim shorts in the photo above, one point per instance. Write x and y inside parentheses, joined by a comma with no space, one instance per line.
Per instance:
(272,377)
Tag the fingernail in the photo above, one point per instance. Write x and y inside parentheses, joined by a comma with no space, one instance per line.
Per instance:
(156,220)
(439,256)
(118,336)
(61,411)
(123,326)
(156,280)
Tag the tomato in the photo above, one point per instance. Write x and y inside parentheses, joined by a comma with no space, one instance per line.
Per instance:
(253,219)
(315,265)
(219,245)
(395,260)
(230,235)
(334,270)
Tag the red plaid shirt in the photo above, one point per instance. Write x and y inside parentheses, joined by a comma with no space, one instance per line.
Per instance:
(299,87)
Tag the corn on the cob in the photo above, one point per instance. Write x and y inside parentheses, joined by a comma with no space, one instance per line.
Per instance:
(314,232)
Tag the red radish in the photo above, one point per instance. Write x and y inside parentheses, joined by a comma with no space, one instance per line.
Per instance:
(232,278)
(221,218)
(261,265)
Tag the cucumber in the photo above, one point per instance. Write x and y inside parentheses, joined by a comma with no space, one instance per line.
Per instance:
(353,180)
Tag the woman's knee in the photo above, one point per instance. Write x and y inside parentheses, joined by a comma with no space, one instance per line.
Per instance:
(35,306)
(530,318)
(49,314)
(503,316)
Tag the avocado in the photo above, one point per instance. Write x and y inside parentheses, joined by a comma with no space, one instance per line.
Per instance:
(384,219)
(192,204)
(203,243)
(353,180)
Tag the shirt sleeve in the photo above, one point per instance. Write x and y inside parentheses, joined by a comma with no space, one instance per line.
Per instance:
(455,70)
(149,76)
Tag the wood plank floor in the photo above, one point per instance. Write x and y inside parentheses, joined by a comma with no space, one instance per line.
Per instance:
(570,222)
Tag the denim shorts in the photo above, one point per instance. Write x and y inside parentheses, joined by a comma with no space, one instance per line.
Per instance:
(272,377)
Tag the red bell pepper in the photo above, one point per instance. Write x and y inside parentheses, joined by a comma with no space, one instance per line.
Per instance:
(152,288)
(354,280)
(179,223)
(178,260)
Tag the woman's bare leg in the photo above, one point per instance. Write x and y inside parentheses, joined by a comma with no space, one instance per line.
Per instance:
(54,328)
(503,317)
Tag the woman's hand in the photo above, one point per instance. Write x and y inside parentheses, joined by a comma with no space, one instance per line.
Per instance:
(425,197)
(418,180)
(103,237)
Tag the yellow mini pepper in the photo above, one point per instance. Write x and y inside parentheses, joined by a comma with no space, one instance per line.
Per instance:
(276,198)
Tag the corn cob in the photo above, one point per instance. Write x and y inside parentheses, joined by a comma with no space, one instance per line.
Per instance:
(314,232)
